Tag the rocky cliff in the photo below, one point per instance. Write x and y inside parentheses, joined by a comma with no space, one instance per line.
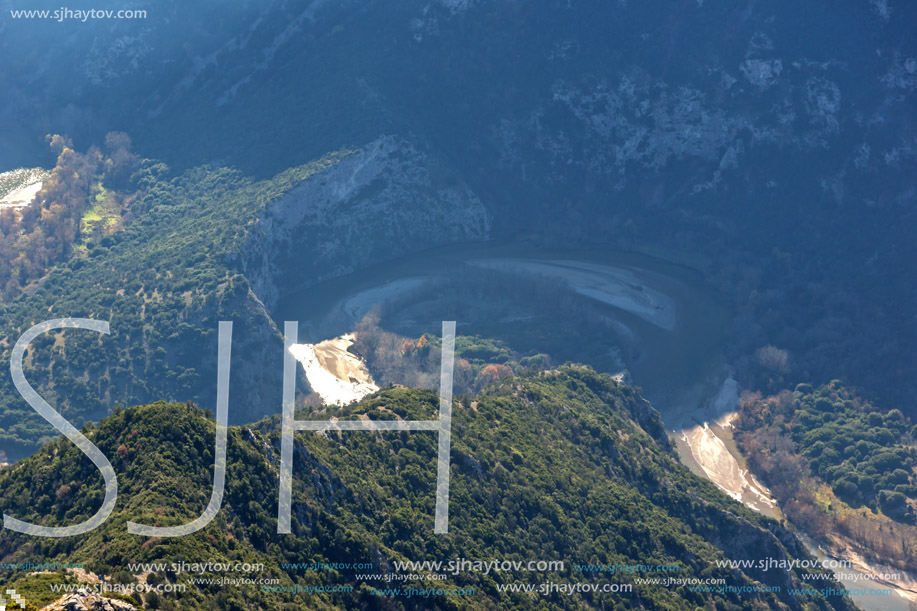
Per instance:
(387,199)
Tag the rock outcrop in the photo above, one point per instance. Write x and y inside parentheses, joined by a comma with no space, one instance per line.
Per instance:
(86,600)
(388,199)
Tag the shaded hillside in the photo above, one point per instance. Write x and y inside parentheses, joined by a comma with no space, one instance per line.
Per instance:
(771,144)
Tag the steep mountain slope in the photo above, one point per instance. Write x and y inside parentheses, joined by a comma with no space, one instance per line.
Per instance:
(213,245)
(563,465)
(769,144)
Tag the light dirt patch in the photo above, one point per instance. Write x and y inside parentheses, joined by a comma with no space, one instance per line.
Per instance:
(336,375)
(703,436)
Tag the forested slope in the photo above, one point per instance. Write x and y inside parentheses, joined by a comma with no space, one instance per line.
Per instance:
(562,465)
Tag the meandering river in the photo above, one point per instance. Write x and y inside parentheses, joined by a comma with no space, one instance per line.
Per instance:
(680,324)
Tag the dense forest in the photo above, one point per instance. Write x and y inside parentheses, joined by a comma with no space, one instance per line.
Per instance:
(562,465)
(837,464)
(132,256)
(87,197)
(163,281)
(301,149)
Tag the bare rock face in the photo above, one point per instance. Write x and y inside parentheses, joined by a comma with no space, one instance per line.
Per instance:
(86,600)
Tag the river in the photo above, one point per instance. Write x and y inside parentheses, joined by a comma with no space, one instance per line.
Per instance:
(677,323)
